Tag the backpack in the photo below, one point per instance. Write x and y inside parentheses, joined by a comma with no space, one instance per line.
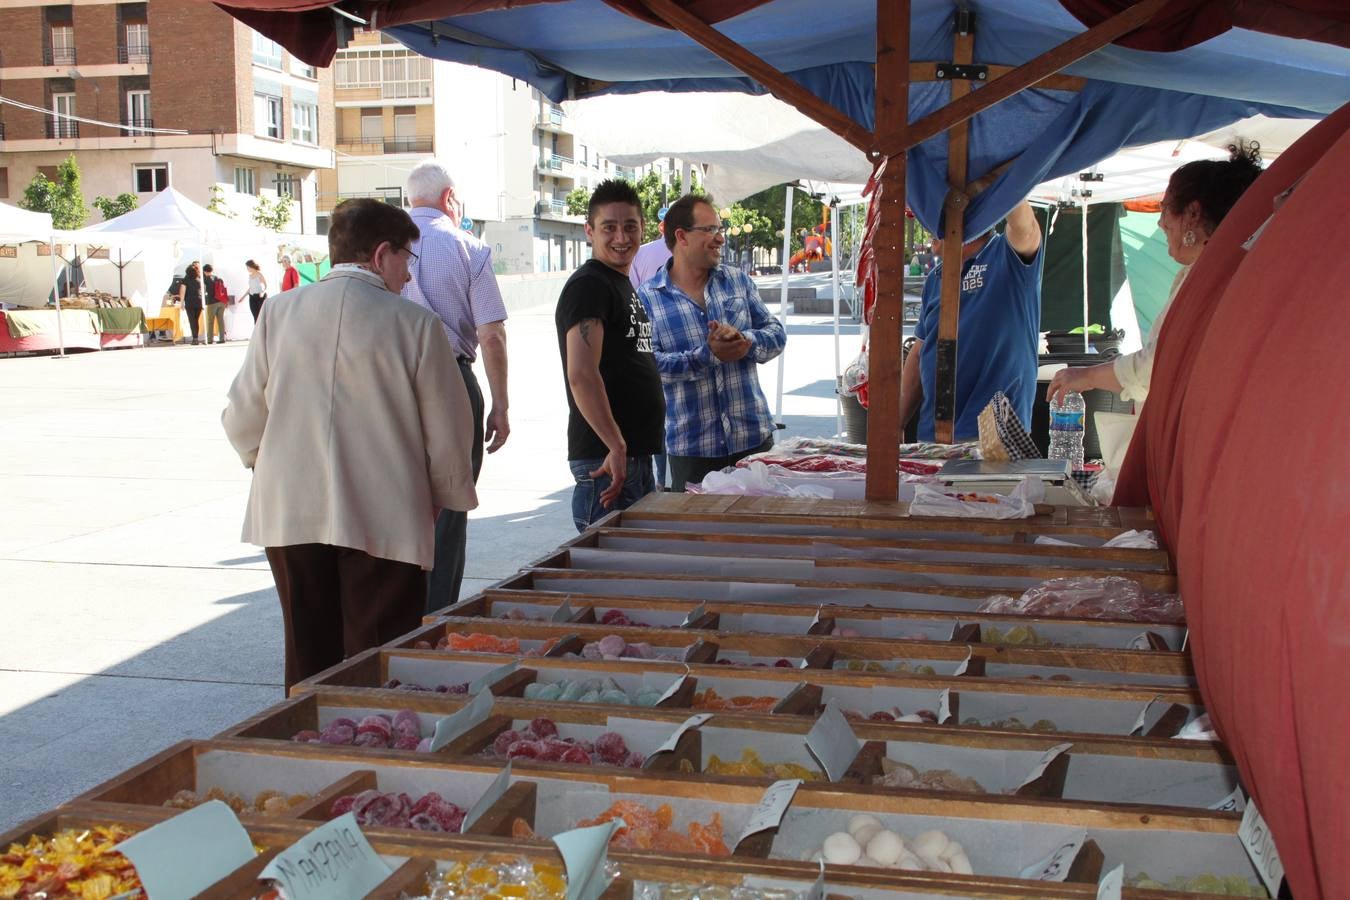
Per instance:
(219,292)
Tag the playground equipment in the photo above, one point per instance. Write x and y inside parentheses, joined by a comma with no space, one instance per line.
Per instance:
(816,246)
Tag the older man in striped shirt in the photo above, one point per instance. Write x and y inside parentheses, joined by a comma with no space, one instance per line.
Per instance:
(710,330)
(452,276)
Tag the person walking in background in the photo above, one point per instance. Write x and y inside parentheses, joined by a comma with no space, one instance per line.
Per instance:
(257,288)
(217,296)
(290,278)
(452,276)
(190,296)
(350,411)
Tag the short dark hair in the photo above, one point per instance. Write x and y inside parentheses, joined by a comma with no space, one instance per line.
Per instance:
(681,215)
(208,268)
(1215,184)
(612,190)
(360,225)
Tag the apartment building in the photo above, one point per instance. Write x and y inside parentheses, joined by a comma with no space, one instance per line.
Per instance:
(513,154)
(189,97)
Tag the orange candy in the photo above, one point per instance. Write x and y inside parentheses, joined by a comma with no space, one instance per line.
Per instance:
(710,699)
(648,830)
(483,643)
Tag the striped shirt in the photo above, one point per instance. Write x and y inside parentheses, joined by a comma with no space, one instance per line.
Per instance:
(452,276)
(713,408)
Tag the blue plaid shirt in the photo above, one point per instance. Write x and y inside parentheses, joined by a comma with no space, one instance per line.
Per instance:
(713,408)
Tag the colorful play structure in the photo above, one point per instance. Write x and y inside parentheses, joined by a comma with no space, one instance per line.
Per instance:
(816,246)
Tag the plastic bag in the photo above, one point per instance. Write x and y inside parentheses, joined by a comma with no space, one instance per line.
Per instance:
(756,480)
(1084,597)
(1199,729)
(1135,540)
(930,500)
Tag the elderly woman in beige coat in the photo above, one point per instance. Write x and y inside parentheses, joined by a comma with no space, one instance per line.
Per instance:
(351,412)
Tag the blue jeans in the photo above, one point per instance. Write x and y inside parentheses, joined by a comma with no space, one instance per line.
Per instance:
(586,508)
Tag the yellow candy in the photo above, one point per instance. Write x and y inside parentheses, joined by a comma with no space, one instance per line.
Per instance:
(752,766)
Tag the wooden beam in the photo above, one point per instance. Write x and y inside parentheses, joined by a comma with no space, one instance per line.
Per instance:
(780,85)
(1033,71)
(927,71)
(953,218)
(884,428)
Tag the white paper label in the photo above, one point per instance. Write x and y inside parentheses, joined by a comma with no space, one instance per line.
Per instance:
(674,739)
(1234,802)
(492,676)
(1140,642)
(672,690)
(1255,836)
(771,807)
(584,851)
(1185,639)
(182,856)
(832,742)
(460,721)
(815,620)
(1055,866)
(1143,717)
(490,796)
(965,663)
(564,611)
(956,626)
(817,891)
(805,663)
(695,614)
(332,862)
(1043,763)
(1112,884)
(945,706)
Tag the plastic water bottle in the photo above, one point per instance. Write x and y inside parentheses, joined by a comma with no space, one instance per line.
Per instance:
(1066,429)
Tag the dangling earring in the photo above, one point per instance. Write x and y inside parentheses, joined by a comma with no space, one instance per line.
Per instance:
(1188,239)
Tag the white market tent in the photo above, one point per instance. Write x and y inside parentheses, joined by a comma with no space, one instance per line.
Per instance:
(17,225)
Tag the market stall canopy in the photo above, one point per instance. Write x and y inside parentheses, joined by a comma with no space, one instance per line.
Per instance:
(170,216)
(17,225)
(1127,97)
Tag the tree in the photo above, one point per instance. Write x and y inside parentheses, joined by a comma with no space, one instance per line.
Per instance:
(112,207)
(769,203)
(273,214)
(61,198)
(652,198)
(217,202)
(578,199)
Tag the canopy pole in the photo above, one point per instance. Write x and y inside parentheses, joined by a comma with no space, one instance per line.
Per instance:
(834,291)
(1087,345)
(783,299)
(884,338)
(56,294)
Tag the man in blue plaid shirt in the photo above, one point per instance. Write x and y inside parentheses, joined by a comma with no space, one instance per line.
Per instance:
(709,332)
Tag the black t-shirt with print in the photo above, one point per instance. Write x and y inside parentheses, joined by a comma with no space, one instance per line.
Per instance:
(627,365)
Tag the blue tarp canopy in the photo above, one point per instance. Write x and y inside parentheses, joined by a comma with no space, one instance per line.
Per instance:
(1131,97)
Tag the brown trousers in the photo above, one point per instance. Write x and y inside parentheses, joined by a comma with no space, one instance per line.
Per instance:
(336,602)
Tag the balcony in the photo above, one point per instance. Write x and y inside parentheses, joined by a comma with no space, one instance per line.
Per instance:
(137,127)
(58,56)
(551,119)
(59,129)
(133,53)
(387,146)
(549,208)
(556,165)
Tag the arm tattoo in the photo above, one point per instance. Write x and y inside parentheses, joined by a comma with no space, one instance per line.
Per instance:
(586,325)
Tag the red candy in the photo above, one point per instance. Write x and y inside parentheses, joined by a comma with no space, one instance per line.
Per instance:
(577,756)
(611,748)
(430,813)
(504,741)
(543,727)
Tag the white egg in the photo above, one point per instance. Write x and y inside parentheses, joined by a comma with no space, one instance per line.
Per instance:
(865,834)
(909,863)
(960,864)
(929,843)
(886,848)
(868,861)
(951,850)
(860,821)
(841,849)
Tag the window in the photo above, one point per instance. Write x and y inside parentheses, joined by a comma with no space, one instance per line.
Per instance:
(4,182)
(267,116)
(286,185)
(48,172)
(304,123)
(266,52)
(304,71)
(405,130)
(138,42)
(398,72)
(63,45)
(138,112)
(372,126)
(63,124)
(245,180)
(151,178)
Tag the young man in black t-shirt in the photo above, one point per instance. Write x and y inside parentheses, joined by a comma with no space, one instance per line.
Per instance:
(616,405)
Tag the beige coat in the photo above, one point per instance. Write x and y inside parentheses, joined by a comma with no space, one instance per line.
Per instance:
(352,413)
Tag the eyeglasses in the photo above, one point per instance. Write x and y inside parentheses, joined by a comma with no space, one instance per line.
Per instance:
(708,229)
(412,257)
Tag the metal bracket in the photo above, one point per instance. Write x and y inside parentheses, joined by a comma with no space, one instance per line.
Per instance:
(1091,176)
(950,71)
(965,20)
(944,403)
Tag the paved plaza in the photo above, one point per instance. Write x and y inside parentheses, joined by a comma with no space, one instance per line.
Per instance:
(133,615)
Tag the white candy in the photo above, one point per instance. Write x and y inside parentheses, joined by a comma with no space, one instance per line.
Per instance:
(841,849)
(930,843)
(909,862)
(860,821)
(910,718)
(868,861)
(865,834)
(960,864)
(951,850)
(886,848)
(934,864)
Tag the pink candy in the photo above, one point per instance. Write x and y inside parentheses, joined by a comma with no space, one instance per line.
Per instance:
(397,810)
(542,741)
(403,732)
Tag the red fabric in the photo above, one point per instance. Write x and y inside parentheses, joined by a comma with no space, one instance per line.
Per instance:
(1242,451)
(1185,23)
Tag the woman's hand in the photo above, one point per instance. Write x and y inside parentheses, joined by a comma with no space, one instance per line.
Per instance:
(1067,380)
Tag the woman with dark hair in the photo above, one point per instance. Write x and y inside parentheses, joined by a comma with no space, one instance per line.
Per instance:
(257,288)
(190,295)
(1198,196)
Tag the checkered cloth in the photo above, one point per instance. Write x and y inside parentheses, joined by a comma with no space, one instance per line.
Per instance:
(1002,437)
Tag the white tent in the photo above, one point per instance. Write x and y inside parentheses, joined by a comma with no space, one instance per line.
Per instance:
(18,225)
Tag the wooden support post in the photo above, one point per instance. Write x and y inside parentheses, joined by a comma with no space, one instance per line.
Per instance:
(883,361)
